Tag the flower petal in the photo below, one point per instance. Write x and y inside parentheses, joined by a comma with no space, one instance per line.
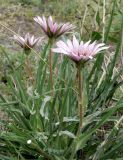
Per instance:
(75,45)
(50,23)
(61,44)
(59,50)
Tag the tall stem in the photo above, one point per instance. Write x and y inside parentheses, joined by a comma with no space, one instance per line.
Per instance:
(80,106)
(51,73)
(80,99)
(22,63)
(29,70)
(50,64)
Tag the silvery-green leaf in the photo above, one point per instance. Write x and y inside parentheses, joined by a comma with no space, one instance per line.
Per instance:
(70,119)
(67,133)
(43,110)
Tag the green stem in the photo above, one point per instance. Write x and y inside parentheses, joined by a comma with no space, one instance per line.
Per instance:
(51,73)
(22,62)
(50,64)
(80,107)
(80,99)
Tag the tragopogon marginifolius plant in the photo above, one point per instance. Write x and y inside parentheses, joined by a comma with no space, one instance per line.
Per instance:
(73,114)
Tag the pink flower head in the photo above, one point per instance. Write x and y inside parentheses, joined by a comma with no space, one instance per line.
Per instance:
(27,42)
(53,29)
(78,51)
